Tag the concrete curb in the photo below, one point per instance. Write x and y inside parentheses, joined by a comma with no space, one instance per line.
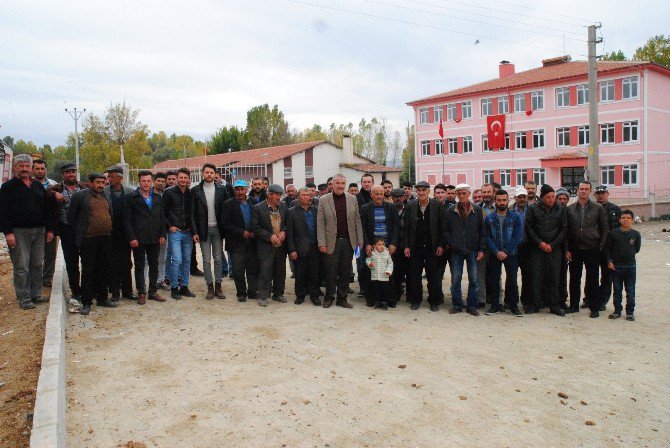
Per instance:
(49,414)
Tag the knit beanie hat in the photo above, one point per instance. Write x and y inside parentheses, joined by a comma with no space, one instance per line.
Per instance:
(546,189)
(561,191)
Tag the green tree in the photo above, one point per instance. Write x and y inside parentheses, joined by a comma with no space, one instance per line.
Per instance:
(408,168)
(657,49)
(9,141)
(121,123)
(267,127)
(226,139)
(313,134)
(23,147)
(614,56)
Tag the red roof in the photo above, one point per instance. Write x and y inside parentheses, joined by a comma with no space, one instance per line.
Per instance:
(567,156)
(260,156)
(555,72)
(371,167)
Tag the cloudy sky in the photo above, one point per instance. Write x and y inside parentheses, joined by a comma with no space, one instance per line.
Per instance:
(194,66)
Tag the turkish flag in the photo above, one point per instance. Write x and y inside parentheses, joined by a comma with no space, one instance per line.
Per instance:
(441,130)
(495,124)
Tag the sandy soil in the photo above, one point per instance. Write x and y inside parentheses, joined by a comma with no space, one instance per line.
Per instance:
(21,341)
(207,374)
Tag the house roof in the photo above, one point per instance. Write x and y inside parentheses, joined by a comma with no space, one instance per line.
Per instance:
(567,156)
(371,167)
(552,72)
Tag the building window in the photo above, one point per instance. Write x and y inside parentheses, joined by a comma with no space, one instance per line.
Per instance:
(520,140)
(538,138)
(519,102)
(521,176)
(487,107)
(309,171)
(607,175)
(453,145)
(562,136)
(503,105)
(424,116)
(437,114)
(507,142)
(537,100)
(451,112)
(466,109)
(505,178)
(630,131)
(288,172)
(425,148)
(629,88)
(607,133)
(629,175)
(607,90)
(539,176)
(485,143)
(582,94)
(562,97)
(488,176)
(467,145)
(584,136)
(439,147)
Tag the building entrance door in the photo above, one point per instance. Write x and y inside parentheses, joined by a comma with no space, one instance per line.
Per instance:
(571,177)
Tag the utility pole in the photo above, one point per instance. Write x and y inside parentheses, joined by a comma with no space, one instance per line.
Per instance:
(75,116)
(183,145)
(593,172)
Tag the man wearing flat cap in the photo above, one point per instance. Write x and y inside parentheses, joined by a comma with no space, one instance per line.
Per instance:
(400,261)
(268,221)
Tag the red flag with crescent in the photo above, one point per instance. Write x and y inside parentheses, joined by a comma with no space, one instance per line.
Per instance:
(495,124)
(441,130)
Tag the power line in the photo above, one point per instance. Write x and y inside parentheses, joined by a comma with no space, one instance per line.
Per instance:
(471,20)
(13,75)
(391,19)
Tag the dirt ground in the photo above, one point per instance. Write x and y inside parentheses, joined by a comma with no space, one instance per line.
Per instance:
(206,374)
(21,341)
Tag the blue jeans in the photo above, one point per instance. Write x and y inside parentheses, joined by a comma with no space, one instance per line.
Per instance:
(181,245)
(624,276)
(457,260)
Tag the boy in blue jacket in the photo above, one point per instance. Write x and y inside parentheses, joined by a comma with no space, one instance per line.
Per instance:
(504,232)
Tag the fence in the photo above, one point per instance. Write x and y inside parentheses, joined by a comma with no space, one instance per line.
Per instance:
(230,173)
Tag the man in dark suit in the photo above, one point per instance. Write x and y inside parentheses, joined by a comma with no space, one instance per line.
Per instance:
(269,227)
(302,247)
(146,230)
(235,225)
(364,197)
(379,219)
(424,228)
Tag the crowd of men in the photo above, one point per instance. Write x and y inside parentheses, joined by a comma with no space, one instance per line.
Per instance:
(394,236)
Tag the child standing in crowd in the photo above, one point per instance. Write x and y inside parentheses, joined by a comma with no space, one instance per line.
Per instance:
(622,245)
(381,268)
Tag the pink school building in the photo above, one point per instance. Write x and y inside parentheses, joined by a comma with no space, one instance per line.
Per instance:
(547,128)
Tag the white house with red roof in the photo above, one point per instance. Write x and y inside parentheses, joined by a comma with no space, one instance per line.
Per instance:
(298,163)
(547,128)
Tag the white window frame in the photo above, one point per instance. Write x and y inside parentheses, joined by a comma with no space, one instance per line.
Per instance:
(583,135)
(505,178)
(607,175)
(631,126)
(508,139)
(562,97)
(309,171)
(452,144)
(288,172)
(519,103)
(437,114)
(467,144)
(439,147)
(562,137)
(607,133)
(630,83)
(503,104)
(582,94)
(539,140)
(537,100)
(451,112)
(488,176)
(540,176)
(425,148)
(487,107)
(423,115)
(485,143)
(466,110)
(607,91)
(521,176)
(520,137)
(629,170)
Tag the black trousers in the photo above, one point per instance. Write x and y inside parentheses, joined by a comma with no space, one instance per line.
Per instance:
(307,274)
(444,261)
(605,281)
(423,257)
(381,291)
(68,241)
(120,267)
(338,269)
(148,253)
(272,271)
(544,278)
(563,294)
(95,267)
(363,272)
(245,270)
(400,270)
(589,259)
(525,266)
(194,259)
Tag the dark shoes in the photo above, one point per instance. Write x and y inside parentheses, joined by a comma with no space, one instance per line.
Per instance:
(142,298)
(434,308)
(129,296)
(299,300)
(280,299)
(210,292)
(516,312)
(344,304)
(630,317)
(473,312)
(381,305)
(241,298)
(603,307)
(414,306)
(174,293)
(217,291)
(584,305)
(327,302)
(107,303)
(558,311)
(594,314)
(40,299)
(571,310)
(455,310)
(85,310)
(316,301)
(27,305)
(493,310)
(156,297)
(614,315)
(184,291)
(195,272)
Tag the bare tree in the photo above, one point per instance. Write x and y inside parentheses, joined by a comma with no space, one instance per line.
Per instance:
(121,123)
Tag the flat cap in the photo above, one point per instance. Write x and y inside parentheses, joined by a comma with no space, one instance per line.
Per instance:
(397,192)
(422,184)
(601,189)
(274,188)
(462,187)
(68,167)
(114,169)
(561,191)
